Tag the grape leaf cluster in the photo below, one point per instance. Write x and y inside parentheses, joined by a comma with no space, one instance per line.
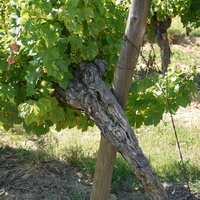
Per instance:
(42,42)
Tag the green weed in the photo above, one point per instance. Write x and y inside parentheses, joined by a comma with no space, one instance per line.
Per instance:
(77,156)
(75,196)
(123,176)
(159,145)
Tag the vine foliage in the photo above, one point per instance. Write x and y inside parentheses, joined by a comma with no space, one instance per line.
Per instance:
(187,10)
(42,42)
(148,97)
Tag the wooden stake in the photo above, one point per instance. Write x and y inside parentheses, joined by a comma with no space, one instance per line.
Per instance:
(105,165)
(136,26)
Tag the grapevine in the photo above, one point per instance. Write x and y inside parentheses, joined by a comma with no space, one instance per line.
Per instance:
(43,42)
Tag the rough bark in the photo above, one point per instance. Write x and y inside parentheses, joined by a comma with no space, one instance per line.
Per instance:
(131,44)
(90,94)
(160,29)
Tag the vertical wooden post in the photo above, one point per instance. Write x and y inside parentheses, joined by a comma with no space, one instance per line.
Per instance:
(103,171)
(135,29)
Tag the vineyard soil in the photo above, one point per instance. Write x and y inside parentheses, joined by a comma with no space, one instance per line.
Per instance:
(57,180)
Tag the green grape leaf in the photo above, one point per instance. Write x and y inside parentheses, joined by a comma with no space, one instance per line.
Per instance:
(51,33)
(87,13)
(37,129)
(50,55)
(46,104)
(100,23)
(62,64)
(29,119)
(7,92)
(33,75)
(76,41)
(89,52)
(181,101)
(153,116)
(93,30)
(135,120)
(71,13)
(46,6)
(100,7)
(40,129)
(57,114)
(67,78)
(73,26)
(72,4)
(30,90)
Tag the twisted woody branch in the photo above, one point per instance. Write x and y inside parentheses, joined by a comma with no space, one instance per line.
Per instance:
(89,93)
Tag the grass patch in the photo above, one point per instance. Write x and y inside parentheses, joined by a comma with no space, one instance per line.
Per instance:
(179,57)
(80,150)
(177,28)
(159,145)
(76,196)
(196,32)
(123,176)
(183,57)
(77,156)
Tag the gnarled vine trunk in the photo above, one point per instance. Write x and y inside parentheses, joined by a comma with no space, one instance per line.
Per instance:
(89,93)
(129,53)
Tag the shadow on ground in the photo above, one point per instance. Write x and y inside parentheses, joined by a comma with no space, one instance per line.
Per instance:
(39,181)
(56,180)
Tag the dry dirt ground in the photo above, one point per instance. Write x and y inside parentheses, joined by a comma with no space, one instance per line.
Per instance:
(56,180)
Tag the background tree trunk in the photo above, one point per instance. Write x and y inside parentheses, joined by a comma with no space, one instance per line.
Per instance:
(160,29)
